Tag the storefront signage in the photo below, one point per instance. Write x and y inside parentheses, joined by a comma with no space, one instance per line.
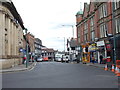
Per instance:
(108,46)
(101,43)
(92,48)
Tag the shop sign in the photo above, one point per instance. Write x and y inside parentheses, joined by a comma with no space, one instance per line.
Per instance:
(92,48)
(108,46)
(100,43)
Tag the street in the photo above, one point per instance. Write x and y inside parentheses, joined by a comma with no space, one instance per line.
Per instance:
(61,75)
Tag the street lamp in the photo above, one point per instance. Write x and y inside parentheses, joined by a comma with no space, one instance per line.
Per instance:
(114,37)
(26,48)
(72,28)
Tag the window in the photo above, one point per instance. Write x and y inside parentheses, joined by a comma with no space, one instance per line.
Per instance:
(92,31)
(103,30)
(117,25)
(79,34)
(116,5)
(85,31)
(103,10)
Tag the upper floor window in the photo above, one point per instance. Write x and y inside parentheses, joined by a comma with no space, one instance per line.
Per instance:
(116,5)
(85,31)
(92,31)
(103,30)
(117,25)
(103,10)
(79,34)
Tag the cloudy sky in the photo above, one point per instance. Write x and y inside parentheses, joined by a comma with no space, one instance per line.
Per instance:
(44,19)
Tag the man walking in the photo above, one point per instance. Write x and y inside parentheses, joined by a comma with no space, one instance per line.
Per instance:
(101,58)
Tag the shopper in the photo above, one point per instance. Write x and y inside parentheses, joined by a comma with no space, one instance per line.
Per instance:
(101,58)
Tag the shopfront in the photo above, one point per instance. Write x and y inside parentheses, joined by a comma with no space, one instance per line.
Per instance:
(101,50)
(93,52)
(85,54)
(115,45)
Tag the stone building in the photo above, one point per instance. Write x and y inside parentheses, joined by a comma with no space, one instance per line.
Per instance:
(95,30)
(11,35)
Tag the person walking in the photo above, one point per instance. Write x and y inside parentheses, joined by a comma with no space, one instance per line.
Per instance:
(101,58)
(24,59)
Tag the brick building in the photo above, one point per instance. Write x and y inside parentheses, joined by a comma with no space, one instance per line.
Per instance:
(95,30)
(38,45)
(31,42)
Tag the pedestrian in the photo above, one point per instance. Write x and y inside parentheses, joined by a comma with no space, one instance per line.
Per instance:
(101,58)
(24,59)
(93,59)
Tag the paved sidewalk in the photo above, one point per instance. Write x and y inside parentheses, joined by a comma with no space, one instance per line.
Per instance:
(96,65)
(19,68)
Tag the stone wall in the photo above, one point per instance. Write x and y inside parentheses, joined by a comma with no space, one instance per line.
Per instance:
(8,63)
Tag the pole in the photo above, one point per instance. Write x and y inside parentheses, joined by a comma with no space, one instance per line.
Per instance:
(64,44)
(73,30)
(26,49)
(114,37)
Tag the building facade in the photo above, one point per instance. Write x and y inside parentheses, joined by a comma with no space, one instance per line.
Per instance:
(38,45)
(95,30)
(11,35)
(48,54)
(31,43)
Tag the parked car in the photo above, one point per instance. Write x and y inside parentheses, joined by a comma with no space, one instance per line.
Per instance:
(66,58)
(58,59)
(39,59)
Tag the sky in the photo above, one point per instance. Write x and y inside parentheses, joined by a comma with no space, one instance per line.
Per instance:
(44,19)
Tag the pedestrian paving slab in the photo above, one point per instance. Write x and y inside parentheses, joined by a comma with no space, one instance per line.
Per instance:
(96,65)
(18,68)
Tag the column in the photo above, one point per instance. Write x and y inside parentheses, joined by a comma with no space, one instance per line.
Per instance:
(12,38)
(15,45)
(6,35)
(17,41)
(3,33)
(9,36)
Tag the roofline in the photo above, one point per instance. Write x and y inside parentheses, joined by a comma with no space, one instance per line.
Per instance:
(9,4)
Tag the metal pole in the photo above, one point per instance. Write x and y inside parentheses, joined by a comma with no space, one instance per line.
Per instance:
(26,49)
(114,37)
(64,44)
(27,56)
(73,30)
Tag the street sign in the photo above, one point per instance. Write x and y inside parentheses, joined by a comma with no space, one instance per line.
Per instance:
(21,50)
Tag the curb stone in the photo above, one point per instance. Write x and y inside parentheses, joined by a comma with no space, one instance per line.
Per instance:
(17,70)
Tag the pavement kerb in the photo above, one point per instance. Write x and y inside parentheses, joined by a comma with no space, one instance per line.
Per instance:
(97,66)
(17,70)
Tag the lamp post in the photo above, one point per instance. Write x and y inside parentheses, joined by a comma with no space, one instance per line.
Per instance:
(26,48)
(72,28)
(114,37)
